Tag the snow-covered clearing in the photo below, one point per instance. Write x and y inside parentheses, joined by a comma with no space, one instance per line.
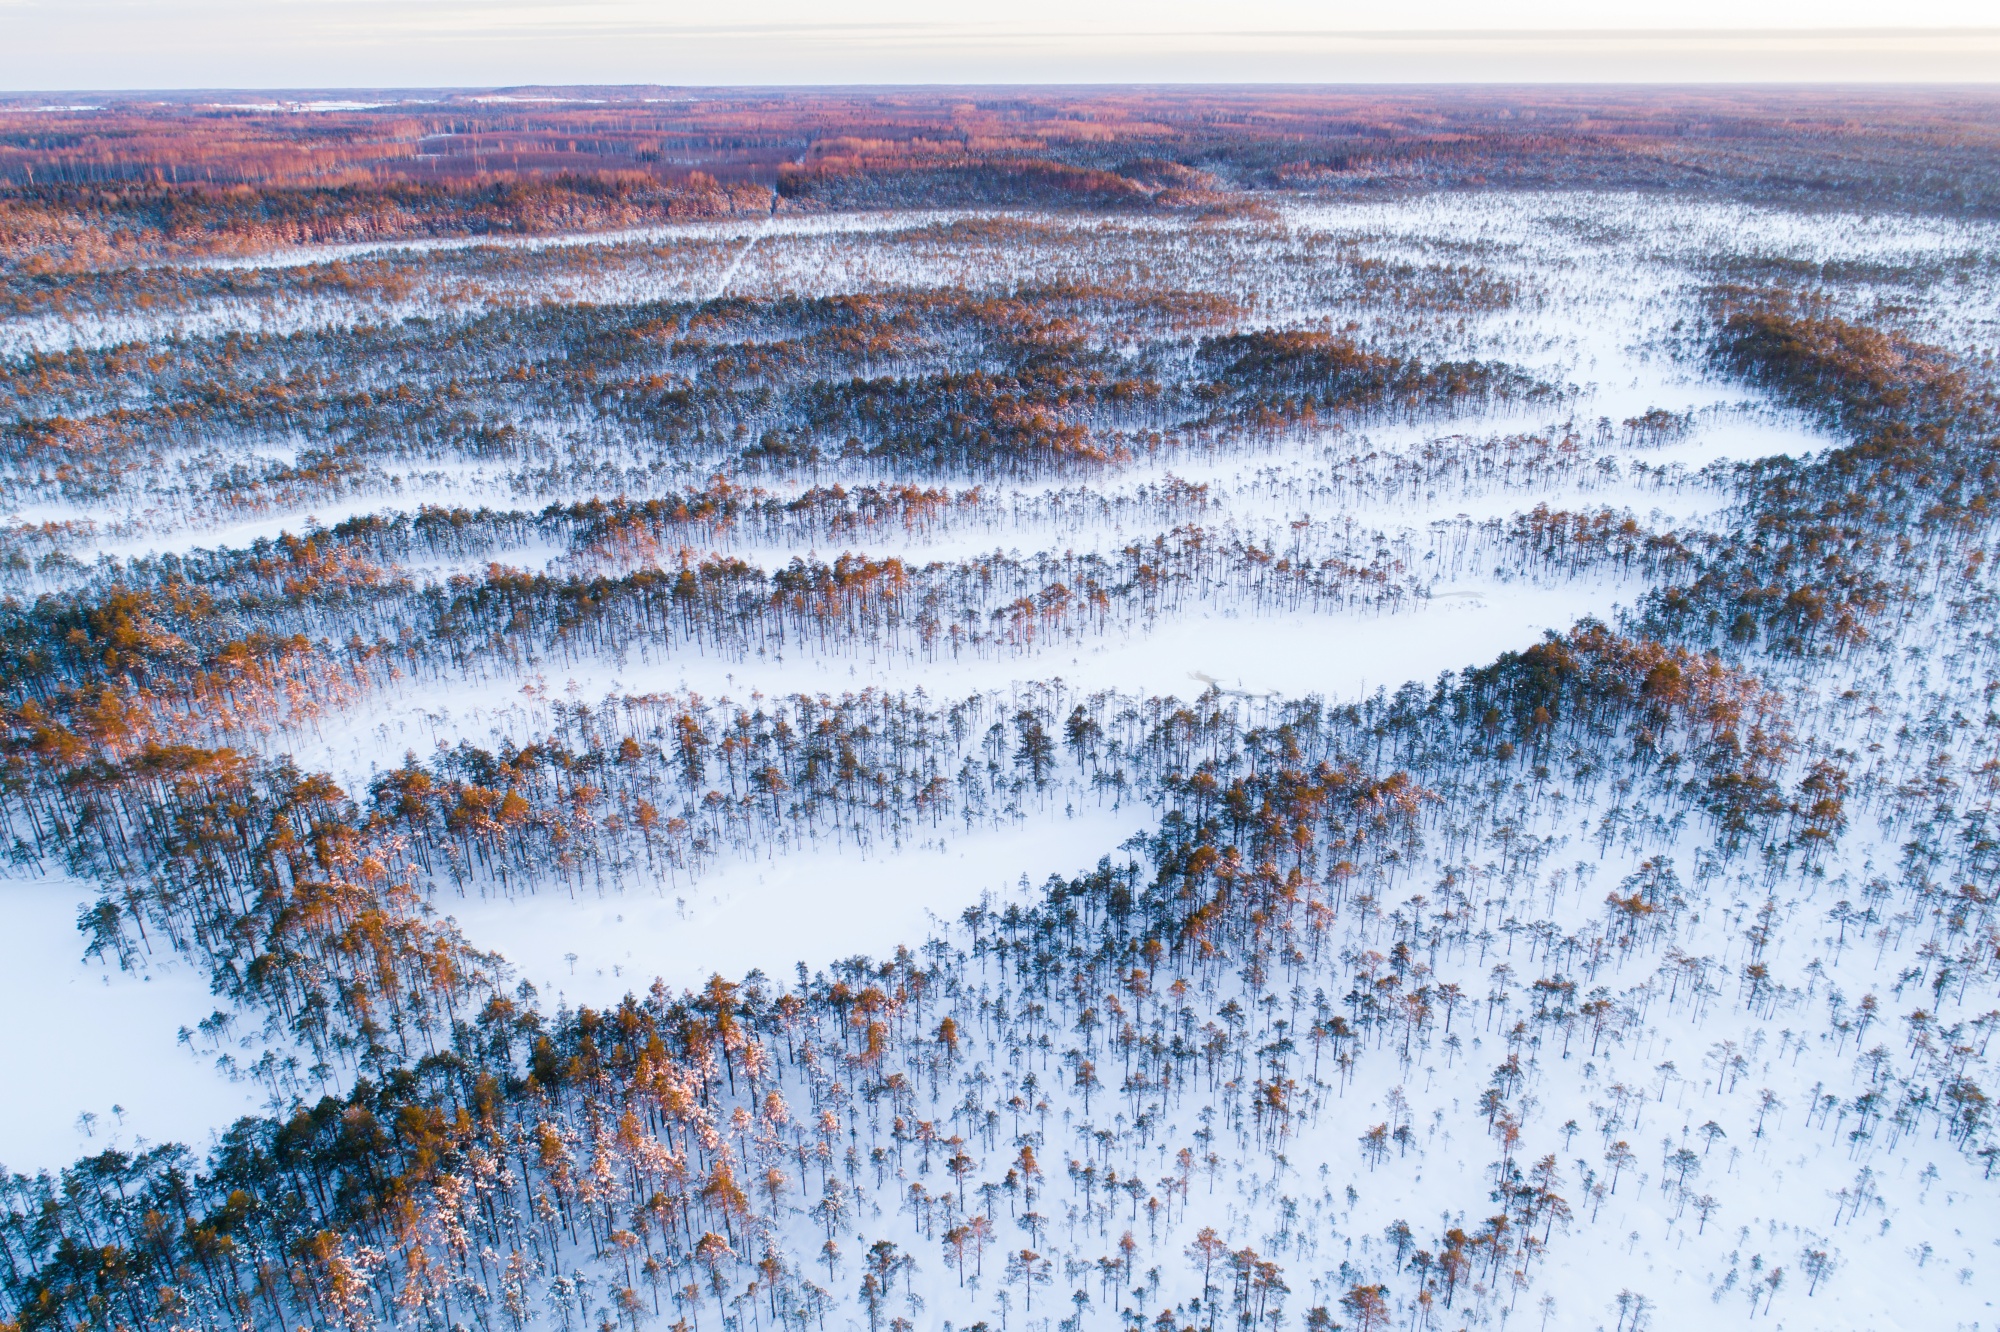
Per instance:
(82,1038)
(773,913)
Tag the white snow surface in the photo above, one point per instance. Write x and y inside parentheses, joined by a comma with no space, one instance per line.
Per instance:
(773,913)
(81,1037)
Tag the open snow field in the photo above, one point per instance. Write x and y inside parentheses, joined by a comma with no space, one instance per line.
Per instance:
(86,1039)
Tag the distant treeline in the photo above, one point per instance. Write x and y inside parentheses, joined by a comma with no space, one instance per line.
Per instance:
(144,177)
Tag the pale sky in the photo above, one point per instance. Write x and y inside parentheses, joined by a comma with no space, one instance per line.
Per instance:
(276,44)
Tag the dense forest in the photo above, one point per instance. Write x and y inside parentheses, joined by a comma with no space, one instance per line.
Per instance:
(1529,656)
(150,176)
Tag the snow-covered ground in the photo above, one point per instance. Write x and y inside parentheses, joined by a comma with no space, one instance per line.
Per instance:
(774,913)
(1588,324)
(92,1054)
(1603,288)
(1773,1183)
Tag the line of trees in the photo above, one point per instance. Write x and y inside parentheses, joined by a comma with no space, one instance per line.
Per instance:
(1029,382)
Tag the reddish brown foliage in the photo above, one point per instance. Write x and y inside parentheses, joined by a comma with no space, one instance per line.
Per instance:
(158,174)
